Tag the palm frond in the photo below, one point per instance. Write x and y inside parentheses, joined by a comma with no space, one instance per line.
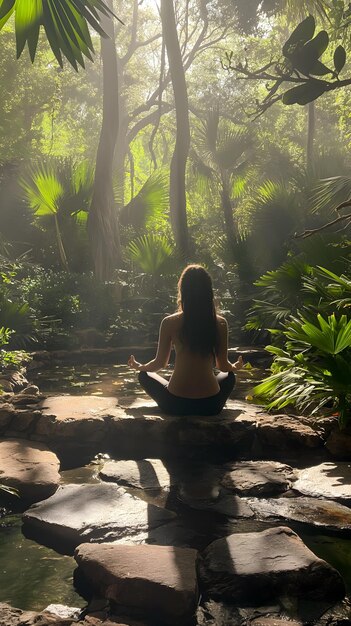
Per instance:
(330,193)
(151,202)
(66,24)
(151,253)
(232,147)
(43,191)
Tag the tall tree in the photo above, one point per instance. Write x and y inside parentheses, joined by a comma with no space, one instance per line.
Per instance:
(103,219)
(182,143)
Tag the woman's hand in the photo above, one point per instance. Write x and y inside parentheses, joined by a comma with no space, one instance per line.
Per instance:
(239,364)
(133,363)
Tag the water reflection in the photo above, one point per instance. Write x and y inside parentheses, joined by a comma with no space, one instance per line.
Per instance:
(31,575)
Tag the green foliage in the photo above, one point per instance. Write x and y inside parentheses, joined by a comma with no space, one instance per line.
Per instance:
(66,24)
(302,53)
(59,196)
(149,205)
(12,359)
(152,253)
(297,286)
(314,369)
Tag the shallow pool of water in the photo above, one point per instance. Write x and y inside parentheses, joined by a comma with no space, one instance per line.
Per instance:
(33,576)
(115,380)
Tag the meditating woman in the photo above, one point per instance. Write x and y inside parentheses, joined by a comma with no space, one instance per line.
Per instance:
(200,338)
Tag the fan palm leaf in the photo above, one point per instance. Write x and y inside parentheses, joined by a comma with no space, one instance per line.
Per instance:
(151,253)
(43,192)
(331,192)
(151,203)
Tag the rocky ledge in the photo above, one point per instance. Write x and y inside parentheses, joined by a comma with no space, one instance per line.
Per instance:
(78,427)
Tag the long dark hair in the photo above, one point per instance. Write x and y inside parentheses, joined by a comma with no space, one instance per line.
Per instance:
(195,300)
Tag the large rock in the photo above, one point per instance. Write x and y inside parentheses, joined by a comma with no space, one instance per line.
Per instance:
(319,513)
(255,567)
(77,427)
(143,474)
(91,512)
(327,480)
(256,478)
(286,433)
(29,467)
(156,580)
(76,416)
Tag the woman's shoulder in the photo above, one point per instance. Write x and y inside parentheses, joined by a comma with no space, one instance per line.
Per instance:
(172,320)
(221,321)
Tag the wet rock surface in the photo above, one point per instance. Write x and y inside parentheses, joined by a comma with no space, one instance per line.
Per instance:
(327,480)
(255,478)
(29,467)
(156,580)
(255,567)
(143,474)
(92,512)
(320,513)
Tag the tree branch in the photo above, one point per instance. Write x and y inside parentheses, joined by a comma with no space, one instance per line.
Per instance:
(341,218)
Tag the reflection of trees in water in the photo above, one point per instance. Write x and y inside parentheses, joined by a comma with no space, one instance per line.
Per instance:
(33,576)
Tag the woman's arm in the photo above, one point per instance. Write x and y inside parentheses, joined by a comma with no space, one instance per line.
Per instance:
(222,354)
(163,351)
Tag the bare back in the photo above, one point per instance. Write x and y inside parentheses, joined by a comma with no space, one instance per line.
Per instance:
(193,375)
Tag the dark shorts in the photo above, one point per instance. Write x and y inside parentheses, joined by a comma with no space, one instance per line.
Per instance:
(157,388)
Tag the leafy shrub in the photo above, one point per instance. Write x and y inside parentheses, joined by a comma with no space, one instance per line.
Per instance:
(11,359)
(314,369)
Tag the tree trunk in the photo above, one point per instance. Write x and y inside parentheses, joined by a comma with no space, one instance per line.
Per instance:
(228,213)
(103,218)
(182,144)
(311,131)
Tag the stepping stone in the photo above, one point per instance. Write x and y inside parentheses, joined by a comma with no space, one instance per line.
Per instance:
(320,513)
(225,504)
(255,478)
(327,480)
(154,580)
(255,567)
(92,512)
(29,467)
(145,474)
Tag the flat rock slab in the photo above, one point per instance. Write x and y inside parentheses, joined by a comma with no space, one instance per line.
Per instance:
(157,580)
(29,467)
(255,567)
(327,480)
(320,513)
(225,504)
(143,474)
(256,478)
(79,407)
(78,419)
(92,512)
